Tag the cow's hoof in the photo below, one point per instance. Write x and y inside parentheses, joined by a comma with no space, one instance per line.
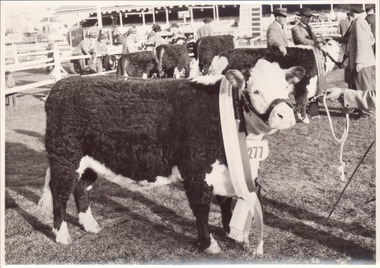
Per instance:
(305,120)
(62,236)
(88,222)
(213,248)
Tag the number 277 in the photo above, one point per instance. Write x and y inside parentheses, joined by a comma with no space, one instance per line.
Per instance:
(255,152)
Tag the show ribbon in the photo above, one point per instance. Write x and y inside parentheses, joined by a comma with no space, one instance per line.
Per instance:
(235,146)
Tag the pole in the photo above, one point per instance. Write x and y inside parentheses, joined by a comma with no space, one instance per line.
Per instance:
(353,173)
(99,16)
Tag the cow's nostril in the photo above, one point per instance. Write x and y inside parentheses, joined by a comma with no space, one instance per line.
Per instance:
(280,116)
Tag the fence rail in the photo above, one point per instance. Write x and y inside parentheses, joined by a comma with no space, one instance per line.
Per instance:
(53,58)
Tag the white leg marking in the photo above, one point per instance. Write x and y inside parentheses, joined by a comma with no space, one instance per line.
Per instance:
(88,222)
(144,76)
(213,248)
(62,236)
(220,179)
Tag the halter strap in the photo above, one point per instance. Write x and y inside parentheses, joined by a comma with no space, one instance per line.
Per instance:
(247,105)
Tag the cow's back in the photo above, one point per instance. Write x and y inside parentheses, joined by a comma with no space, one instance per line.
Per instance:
(127,124)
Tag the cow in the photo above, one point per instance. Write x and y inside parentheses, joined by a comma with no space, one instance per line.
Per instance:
(141,128)
(173,60)
(206,48)
(138,64)
(327,55)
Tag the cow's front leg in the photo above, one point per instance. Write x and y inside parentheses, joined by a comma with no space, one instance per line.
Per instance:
(200,195)
(225,204)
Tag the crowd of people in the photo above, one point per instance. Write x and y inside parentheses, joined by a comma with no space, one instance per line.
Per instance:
(357,35)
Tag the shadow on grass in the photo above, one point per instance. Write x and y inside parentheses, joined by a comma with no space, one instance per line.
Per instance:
(327,239)
(10,203)
(31,134)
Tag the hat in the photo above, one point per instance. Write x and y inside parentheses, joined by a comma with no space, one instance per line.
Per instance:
(279,11)
(356,9)
(207,20)
(305,12)
(92,34)
(175,25)
(132,30)
(156,28)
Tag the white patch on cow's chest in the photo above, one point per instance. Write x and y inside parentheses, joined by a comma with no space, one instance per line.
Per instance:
(312,87)
(220,179)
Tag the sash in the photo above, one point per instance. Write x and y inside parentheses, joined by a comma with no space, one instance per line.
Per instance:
(248,204)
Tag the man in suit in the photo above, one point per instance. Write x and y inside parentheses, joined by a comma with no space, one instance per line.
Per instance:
(302,33)
(276,36)
(205,30)
(345,24)
(371,19)
(360,53)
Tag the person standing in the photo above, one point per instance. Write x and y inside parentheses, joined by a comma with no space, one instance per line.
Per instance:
(276,36)
(302,33)
(88,46)
(205,30)
(129,43)
(344,25)
(360,53)
(371,19)
(156,39)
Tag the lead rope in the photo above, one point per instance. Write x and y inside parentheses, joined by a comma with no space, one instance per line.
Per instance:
(342,140)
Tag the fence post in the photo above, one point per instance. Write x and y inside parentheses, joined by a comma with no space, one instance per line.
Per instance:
(57,63)
(14,53)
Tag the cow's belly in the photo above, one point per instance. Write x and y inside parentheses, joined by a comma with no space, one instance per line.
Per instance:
(220,179)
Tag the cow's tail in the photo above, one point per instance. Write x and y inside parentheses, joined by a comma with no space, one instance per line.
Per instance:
(45,205)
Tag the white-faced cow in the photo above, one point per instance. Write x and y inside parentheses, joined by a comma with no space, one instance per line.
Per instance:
(138,64)
(141,128)
(173,60)
(206,48)
(316,61)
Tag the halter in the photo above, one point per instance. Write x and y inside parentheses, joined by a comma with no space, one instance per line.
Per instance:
(247,105)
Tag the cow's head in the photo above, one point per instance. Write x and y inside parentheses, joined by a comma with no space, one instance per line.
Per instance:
(265,88)
(334,53)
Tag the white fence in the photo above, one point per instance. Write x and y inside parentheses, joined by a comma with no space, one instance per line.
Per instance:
(42,58)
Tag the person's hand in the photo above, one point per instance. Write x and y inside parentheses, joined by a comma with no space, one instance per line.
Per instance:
(359,66)
(283,50)
(333,93)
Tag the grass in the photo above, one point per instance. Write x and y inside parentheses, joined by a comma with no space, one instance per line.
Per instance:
(143,225)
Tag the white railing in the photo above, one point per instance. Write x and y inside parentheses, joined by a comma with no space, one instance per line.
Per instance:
(48,58)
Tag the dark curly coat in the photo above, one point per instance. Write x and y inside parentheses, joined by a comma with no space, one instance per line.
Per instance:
(137,63)
(137,128)
(171,57)
(209,46)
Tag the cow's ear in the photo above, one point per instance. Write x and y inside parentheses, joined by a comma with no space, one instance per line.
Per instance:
(235,78)
(294,74)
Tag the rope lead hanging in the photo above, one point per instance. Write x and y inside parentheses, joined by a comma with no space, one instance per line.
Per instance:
(342,140)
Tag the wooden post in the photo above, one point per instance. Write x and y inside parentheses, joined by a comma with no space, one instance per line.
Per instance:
(143,16)
(191,15)
(121,18)
(99,16)
(153,15)
(57,63)
(167,15)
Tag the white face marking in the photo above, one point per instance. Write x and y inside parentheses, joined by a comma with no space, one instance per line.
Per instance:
(266,83)
(220,179)
(217,66)
(88,222)
(62,236)
(312,87)
(335,50)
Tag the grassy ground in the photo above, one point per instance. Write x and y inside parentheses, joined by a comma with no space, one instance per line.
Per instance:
(143,225)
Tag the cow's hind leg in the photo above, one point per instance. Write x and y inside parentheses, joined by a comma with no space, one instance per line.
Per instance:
(81,195)
(225,204)
(61,184)
(200,195)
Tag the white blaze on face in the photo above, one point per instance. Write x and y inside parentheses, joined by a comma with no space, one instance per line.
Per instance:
(312,87)
(267,83)
(335,50)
